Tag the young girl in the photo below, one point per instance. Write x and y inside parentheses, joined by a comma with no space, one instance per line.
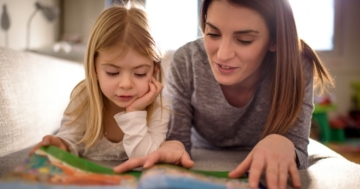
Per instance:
(115,113)
(246,85)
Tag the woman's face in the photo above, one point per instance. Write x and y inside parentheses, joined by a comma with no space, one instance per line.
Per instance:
(236,41)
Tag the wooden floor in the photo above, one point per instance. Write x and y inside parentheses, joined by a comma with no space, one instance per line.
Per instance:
(351,155)
(354,157)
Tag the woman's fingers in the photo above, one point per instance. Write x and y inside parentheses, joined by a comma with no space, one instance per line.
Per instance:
(283,175)
(295,177)
(272,175)
(257,166)
(242,167)
(152,159)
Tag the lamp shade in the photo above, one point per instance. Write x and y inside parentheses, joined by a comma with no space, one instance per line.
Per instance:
(5,20)
(50,13)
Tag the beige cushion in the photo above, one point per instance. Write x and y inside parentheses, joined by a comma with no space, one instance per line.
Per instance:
(34,91)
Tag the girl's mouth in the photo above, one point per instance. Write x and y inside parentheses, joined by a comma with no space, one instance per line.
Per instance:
(124,98)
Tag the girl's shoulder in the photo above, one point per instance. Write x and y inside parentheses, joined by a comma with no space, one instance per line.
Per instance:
(78,96)
(79,90)
(161,102)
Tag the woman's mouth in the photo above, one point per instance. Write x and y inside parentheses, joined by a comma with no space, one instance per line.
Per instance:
(225,69)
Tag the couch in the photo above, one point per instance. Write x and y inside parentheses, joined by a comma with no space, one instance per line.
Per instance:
(35,90)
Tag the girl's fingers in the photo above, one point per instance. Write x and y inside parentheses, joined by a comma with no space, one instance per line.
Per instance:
(37,146)
(158,85)
(44,142)
(186,161)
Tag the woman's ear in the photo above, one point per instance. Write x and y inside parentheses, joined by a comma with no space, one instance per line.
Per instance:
(272,47)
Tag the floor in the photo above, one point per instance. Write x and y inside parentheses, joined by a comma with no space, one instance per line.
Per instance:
(350,151)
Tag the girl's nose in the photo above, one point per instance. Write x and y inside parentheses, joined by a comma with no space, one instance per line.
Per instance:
(225,50)
(125,82)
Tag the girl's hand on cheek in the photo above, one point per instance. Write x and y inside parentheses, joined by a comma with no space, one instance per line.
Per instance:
(275,155)
(141,103)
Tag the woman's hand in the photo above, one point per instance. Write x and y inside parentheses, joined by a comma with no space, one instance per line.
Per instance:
(50,140)
(141,103)
(276,155)
(172,152)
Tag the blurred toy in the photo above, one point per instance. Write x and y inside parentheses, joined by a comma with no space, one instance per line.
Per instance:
(356,96)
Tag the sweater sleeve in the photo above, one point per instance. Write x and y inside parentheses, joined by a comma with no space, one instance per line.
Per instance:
(179,90)
(142,138)
(299,133)
(74,132)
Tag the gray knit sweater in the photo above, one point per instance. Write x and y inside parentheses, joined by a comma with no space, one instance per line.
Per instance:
(203,118)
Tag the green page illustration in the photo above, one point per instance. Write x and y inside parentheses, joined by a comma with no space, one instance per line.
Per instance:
(51,166)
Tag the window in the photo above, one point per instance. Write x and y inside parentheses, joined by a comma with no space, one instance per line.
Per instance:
(176,22)
(173,22)
(315,22)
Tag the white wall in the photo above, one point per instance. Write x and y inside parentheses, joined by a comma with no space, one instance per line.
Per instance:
(80,16)
(42,32)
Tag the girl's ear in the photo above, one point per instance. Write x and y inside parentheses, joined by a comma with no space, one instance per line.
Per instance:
(156,69)
(272,47)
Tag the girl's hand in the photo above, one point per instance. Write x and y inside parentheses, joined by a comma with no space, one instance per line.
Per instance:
(141,103)
(50,140)
(276,155)
(172,152)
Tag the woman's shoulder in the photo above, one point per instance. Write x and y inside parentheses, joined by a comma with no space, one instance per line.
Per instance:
(191,48)
(307,65)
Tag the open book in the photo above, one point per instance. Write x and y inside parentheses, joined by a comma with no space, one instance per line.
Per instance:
(51,167)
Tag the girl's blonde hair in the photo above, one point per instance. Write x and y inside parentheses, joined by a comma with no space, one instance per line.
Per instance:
(288,82)
(122,27)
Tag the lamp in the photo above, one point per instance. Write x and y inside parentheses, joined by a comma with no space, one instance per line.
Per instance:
(50,13)
(5,23)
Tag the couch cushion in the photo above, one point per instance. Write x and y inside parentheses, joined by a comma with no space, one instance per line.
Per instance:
(35,90)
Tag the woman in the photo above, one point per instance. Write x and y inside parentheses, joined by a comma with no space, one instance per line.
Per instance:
(248,84)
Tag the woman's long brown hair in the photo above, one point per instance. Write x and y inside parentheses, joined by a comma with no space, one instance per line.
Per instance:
(288,82)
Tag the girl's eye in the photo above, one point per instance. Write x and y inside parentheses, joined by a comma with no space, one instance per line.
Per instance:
(213,35)
(112,73)
(141,75)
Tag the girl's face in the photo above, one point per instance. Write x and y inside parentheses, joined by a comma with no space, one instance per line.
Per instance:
(236,41)
(123,79)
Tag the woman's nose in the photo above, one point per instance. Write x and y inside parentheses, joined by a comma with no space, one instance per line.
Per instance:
(225,50)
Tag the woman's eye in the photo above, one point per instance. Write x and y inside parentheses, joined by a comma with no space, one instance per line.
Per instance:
(213,35)
(244,42)
(112,73)
(141,75)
